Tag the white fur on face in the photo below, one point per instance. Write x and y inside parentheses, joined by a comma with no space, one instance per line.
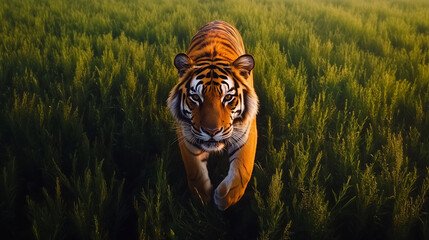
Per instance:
(196,87)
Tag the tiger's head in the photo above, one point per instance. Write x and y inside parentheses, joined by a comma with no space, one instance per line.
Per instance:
(214,101)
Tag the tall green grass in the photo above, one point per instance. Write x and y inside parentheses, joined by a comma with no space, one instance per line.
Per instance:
(88,148)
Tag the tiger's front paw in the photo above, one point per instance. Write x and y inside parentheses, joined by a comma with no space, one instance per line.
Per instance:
(226,195)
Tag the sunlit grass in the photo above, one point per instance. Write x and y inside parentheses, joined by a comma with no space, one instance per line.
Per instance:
(88,148)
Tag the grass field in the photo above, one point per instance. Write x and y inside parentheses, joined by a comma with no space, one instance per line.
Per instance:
(88,148)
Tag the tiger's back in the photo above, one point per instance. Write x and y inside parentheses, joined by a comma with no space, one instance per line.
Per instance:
(216,39)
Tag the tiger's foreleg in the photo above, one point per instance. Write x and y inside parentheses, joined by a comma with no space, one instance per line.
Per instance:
(232,188)
(195,162)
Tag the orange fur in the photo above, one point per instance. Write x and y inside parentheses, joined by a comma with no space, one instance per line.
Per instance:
(216,105)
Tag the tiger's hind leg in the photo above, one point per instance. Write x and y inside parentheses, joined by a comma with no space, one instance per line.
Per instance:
(232,188)
(195,162)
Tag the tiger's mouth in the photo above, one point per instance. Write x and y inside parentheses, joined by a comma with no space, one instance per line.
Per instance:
(212,145)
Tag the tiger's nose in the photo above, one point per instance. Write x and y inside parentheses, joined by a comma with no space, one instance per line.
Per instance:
(212,131)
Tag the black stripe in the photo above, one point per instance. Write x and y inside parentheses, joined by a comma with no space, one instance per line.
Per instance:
(206,59)
(204,33)
(204,55)
(223,72)
(215,75)
(198,36)
(227,131)
(204,45)
(200,64)
(195,44)
(217,59)
(236,83)
(186,112)
(217,28)
(232,89)
(233,107)
(218,68)
(212,67)
(185,79)
(200,70)
(188,84)
(214,60)
(223,64)
(238,79)
(199,83)
(224,82)
(229,46)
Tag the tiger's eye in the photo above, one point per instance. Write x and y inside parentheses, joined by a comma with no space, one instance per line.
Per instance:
(227,97)
(195,97)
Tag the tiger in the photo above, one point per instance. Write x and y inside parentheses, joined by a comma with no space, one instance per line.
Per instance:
(215,106)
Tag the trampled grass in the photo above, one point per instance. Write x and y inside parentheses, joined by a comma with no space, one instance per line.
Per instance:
(88,148)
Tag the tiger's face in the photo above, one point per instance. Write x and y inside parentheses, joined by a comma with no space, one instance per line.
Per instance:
(213,102)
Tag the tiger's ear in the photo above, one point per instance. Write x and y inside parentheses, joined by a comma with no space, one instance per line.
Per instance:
(245,63)
(182,62)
